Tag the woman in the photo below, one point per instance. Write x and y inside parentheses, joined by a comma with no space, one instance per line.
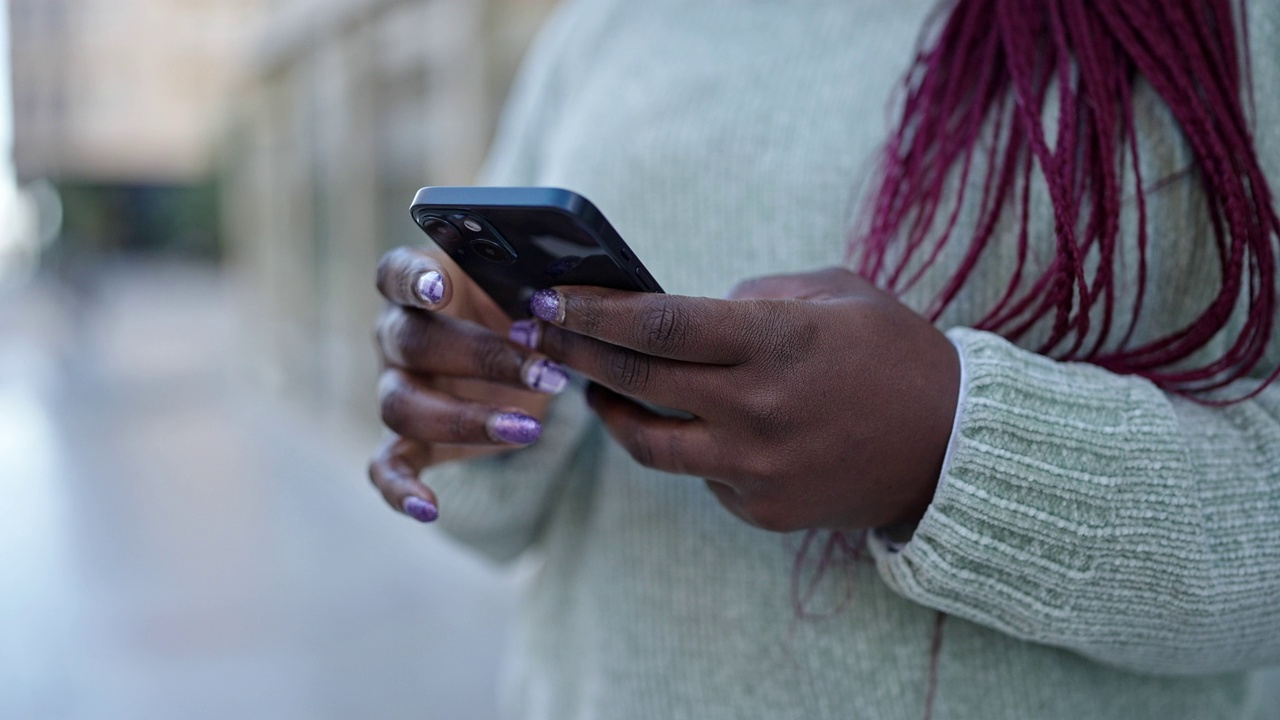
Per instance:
(1046,387)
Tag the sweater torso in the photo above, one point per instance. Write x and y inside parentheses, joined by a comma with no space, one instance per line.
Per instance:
(727,139)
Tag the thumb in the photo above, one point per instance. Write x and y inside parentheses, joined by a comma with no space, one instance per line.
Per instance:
(413,277)
(832,282)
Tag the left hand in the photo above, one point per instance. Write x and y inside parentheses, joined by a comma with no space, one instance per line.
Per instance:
(818,400)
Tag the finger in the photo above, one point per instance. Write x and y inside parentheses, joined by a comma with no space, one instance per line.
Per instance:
(693,387)
(412,277)
(728,496)
(415,411)
(765,517)
(394,472)
(831,282)
(674,445)
(430,343)
(771,287)
(692,329)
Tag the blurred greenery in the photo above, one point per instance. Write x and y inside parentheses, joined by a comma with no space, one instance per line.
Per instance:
(168,220)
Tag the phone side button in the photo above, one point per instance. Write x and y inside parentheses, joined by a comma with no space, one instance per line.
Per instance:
(645,280)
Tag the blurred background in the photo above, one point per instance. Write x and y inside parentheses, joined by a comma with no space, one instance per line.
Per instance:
(197,194)
(193,196)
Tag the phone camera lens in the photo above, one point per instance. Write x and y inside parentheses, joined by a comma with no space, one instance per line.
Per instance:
(491,251)
(441,231)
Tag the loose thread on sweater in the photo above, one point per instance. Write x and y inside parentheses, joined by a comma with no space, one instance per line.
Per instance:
(839,550)
(842,552)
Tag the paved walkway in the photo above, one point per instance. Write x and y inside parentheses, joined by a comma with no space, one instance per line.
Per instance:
(171,549)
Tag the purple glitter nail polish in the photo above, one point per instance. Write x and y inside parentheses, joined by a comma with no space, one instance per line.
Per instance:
(430,287)
(419,509)
(547,305)
(515,428)
(526,332)
(545,376)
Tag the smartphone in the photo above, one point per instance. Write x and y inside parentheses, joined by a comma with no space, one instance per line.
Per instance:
(513,241)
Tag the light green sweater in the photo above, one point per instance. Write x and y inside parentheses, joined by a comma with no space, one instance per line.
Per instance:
(1103,550)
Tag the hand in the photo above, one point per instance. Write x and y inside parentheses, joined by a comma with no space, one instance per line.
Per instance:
(458,380)
(818,401)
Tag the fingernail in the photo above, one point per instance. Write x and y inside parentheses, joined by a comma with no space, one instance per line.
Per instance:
(526,332)
(419,509)
(545,376)
(430,287)
(514,428)
(547,305)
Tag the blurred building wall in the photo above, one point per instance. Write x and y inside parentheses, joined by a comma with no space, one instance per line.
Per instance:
(351,106)
(310,123)
(118,104)
(124,91)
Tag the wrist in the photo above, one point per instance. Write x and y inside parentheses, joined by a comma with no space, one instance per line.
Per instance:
(900,532)
(936,438)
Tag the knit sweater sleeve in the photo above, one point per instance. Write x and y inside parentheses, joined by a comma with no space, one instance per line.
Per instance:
(1092,511)
(498,504)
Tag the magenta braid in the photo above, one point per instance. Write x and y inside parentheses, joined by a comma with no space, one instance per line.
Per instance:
(978,91)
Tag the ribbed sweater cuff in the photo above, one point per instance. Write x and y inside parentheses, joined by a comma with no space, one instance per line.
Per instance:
(1030,491)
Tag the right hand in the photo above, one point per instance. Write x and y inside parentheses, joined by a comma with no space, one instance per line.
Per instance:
(453,385)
